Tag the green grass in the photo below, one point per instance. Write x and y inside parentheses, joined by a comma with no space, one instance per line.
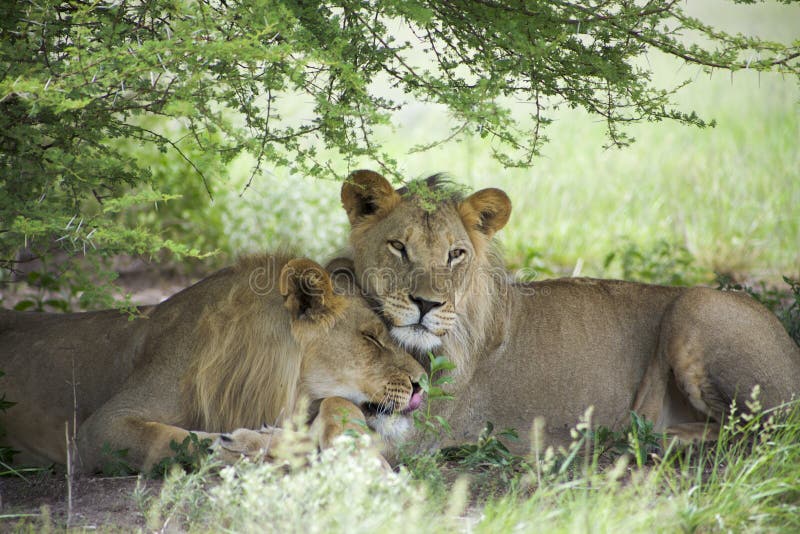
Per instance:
(746,482)
(679,202)
(728,194)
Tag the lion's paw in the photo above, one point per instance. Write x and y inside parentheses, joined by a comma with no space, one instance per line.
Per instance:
(256,445)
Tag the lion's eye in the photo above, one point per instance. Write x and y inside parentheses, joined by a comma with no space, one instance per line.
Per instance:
(373,339)
(456,255)
(397,248)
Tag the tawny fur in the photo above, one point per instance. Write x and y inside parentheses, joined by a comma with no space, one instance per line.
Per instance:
(236,350)
(553,348)
(233,381)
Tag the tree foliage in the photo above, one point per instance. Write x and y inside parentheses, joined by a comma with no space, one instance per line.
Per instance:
(84,85)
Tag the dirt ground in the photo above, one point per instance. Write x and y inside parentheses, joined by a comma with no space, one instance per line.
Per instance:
(146,282)
(42,499)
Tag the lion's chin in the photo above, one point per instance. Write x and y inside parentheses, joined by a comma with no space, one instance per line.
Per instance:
(393,428)
(416,338)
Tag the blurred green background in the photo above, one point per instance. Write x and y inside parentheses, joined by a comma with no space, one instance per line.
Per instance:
(723,199)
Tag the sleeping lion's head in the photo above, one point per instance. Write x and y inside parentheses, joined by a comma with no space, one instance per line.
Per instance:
(285,332)
(352,356)
(420,251)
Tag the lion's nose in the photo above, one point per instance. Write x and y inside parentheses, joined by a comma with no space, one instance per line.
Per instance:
(424,305)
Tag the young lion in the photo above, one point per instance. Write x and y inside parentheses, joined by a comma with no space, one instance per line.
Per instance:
(238,349)
(678,356)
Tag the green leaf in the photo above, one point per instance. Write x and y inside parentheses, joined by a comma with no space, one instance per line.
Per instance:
(24,305)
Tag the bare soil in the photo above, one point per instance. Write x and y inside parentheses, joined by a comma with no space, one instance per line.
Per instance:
(146,282)
(41,500)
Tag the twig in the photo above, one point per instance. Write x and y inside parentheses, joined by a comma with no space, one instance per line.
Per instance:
(185,158)
(71,444)
(69,474)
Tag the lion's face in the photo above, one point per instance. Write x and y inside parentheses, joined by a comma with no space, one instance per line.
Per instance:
(417,276)
(357,360)
(348,353)
(417,263)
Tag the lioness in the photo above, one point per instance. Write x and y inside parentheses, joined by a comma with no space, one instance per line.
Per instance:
(237,349)
(678,356)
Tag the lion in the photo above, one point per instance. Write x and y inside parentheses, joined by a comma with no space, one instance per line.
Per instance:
(235,351)
(677,356)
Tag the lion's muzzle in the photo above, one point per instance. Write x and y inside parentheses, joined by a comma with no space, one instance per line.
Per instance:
(402,398)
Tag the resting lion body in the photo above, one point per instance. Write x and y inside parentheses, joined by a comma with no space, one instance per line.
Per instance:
(234,351)
(552,348)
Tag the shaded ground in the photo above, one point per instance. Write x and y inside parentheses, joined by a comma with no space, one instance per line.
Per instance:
(97,502)
(148,283)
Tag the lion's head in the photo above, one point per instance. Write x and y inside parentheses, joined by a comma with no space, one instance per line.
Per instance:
(283,333)
(426,264)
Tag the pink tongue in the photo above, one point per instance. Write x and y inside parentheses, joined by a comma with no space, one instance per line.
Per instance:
(414,401)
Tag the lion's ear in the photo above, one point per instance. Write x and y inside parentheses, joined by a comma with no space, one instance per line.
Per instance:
(486,211)
(367,193)
(308,293)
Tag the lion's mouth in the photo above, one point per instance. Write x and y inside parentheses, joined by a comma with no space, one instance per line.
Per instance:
(416,338)
(390,407)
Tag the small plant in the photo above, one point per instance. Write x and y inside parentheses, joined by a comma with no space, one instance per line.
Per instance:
(189,455)
(428,469)
(422,466)
(791,315)
(642,439)
(341,489)
(85,284)
(494,468)
(116,463)
(637,439)
(665,263)
(42,299)
(432,385)
(7,453)
(355,433)
(487,451)
(491,467)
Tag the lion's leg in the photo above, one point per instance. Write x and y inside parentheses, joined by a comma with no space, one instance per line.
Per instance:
(149,442)
(661,399)
(658,398)
(650,395)
(338,416)
(136,421)
(335,417)
(721,346)
(146,442)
